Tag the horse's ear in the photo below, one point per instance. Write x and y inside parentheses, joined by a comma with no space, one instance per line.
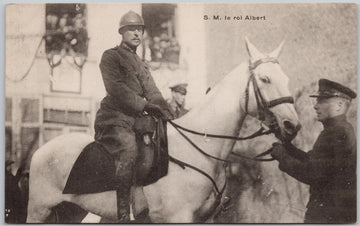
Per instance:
(253,52)
(276,52)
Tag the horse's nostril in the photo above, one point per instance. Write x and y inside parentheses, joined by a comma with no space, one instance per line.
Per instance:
(289,126)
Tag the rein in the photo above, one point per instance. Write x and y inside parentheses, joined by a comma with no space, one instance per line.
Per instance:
(256,134)
(260,132)
(263,109)
(184,164)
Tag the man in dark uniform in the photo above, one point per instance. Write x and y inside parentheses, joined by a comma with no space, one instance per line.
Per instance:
(330,167)
(177,102)
(131,90)
(15,198)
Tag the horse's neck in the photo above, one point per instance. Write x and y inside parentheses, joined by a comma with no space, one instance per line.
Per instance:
(219,112)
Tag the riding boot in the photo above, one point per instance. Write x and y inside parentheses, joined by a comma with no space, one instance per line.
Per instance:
(124,180)
(123,207)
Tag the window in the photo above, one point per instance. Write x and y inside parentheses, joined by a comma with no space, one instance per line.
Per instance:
(50,133)
(8,128)
(78,118)
(8,109)
(66,45)
(66,31)
(160,43)
(69,111)
(40,119)
(55,116)
(22,135)
(29,110)
(29,129)
(29,143)
(78,130)
(8,142)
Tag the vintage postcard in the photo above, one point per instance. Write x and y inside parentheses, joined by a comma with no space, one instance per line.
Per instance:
(181,112)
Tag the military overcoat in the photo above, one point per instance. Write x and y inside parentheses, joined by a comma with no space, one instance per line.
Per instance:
(330,170)
(129,86)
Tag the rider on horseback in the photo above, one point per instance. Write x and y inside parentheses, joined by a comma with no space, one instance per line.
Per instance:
(131,90)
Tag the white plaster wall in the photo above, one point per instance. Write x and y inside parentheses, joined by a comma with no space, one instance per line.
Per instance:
(25,26)
(191,35)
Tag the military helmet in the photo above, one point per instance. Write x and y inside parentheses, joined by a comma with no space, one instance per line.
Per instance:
(131,18)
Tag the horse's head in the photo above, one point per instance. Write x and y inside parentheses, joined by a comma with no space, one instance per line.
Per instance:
(267,96)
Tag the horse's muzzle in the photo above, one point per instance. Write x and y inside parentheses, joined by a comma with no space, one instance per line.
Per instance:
(289,131)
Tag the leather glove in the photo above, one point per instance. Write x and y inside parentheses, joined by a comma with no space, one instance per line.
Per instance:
(168,114)
(155,110)
(277,150)
(283,139)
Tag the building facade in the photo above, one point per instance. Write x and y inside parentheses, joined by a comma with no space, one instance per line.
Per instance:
(53,51)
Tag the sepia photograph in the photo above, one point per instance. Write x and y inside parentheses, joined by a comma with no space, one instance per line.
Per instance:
(147,113)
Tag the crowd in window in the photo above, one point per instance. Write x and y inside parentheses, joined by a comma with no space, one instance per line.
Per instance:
(66,34)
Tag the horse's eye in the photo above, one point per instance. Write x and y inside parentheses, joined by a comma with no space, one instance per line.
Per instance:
(265,79)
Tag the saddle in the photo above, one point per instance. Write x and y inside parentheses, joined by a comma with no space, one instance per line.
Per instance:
(153,159)
(94,169)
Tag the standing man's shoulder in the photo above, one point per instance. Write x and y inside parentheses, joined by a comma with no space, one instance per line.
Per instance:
(343,134)
(344,127)
(348,130)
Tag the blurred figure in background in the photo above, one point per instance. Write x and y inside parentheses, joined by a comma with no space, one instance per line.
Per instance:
(156,54)
(330,167)
(15,199)
(177,102)
(172,52)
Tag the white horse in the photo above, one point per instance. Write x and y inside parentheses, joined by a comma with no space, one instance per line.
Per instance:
(184,195)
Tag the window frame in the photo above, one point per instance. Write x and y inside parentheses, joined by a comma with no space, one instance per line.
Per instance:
(16,123)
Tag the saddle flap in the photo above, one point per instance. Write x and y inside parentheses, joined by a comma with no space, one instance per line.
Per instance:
(153,159)
(93,172)
(94,169)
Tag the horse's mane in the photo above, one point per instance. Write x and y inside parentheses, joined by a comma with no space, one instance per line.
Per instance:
(237,71)
(235,76)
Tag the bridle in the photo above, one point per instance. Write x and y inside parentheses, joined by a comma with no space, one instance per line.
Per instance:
(263,107)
